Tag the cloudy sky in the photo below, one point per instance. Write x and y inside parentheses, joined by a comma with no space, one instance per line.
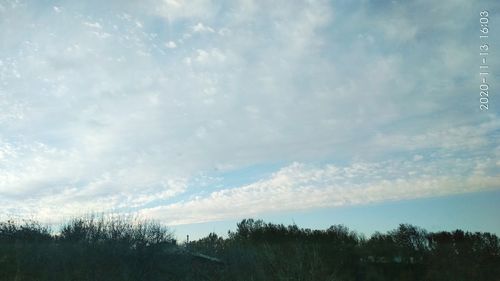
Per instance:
(199,113)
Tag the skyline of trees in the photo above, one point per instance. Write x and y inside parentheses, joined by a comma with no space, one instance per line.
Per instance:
(117,248)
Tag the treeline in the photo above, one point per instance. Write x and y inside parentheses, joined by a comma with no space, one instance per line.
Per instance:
(99,248)
(89,248)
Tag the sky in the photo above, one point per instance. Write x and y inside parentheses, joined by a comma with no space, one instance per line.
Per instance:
(200,113)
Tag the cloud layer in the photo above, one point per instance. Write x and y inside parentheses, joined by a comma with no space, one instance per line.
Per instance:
(150,106)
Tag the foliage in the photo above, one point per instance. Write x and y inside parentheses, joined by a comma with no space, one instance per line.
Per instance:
(118,248)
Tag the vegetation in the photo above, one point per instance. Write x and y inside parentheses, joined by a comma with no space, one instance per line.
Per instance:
(110,248)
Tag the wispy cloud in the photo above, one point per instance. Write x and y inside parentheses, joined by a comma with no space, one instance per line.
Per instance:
(121,105)
(299,187)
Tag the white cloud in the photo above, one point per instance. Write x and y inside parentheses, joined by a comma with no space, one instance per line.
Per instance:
(466,137)
(93,25)
(171,45)
(105,124)
(182,9)
(199,27)
(299,187)
(213,55)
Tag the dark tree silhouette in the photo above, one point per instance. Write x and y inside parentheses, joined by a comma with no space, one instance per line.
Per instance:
(110,248)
